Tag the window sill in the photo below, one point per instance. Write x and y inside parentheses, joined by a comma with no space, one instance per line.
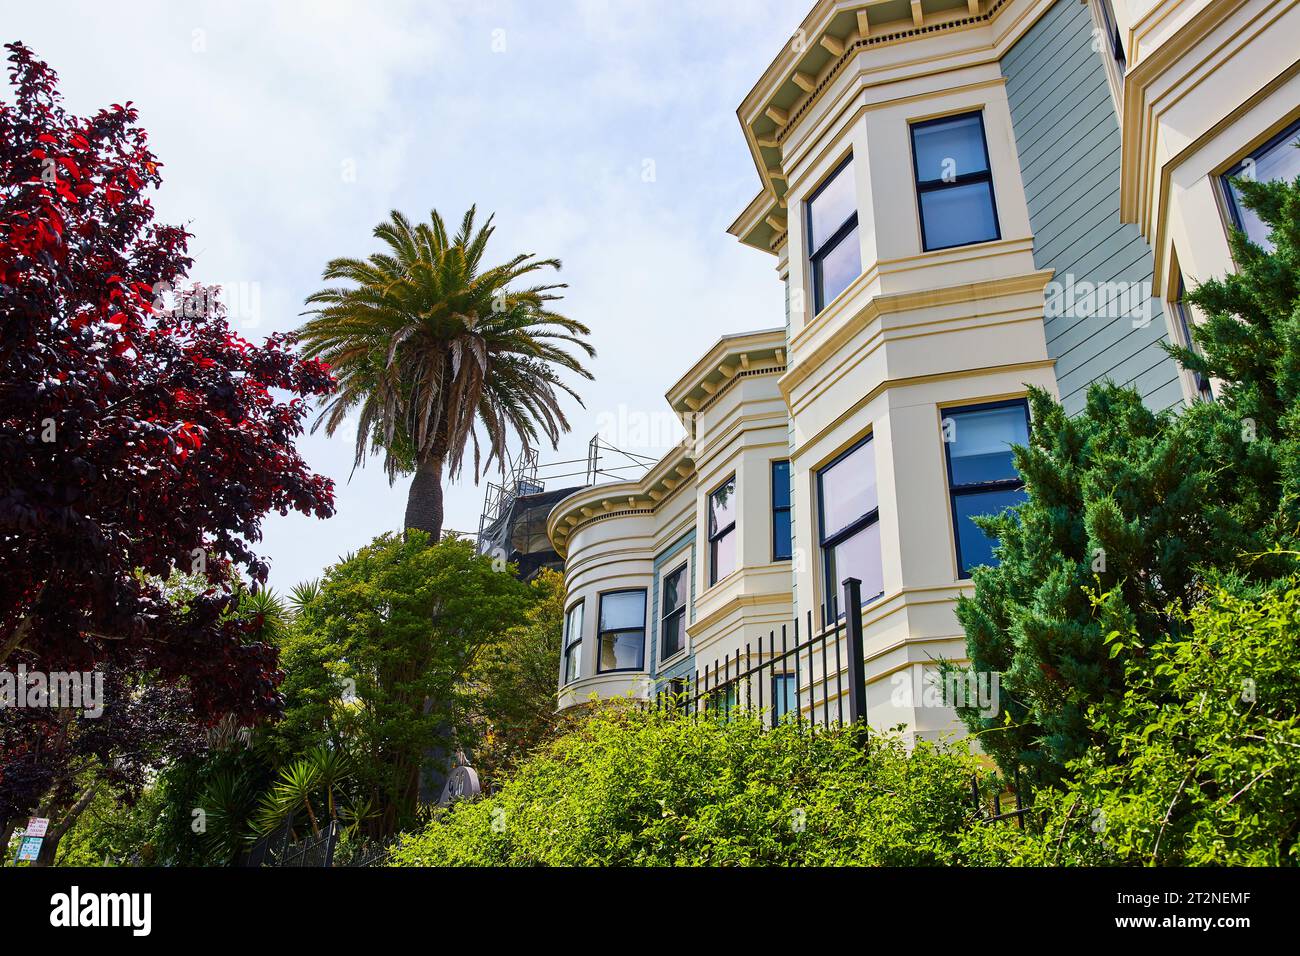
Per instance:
(673,659)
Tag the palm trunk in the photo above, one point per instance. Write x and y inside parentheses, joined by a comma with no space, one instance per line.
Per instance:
(424,500)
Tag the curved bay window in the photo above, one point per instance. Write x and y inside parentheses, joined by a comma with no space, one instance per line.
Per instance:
(849,513)
(982,476)
(620,640)
(573,643)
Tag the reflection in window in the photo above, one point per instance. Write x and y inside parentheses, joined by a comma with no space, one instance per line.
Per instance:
(833,251)
(784,699)
(621,638)
(954,184)
(1277,159)
(722,531)
(982,476)
(850,526)
(573,643)
(673,615)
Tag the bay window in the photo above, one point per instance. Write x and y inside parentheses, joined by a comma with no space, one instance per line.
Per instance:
(782,545)
(1277,159)
(954,182)
(672,624)
(850,523)
(620,640)
(834,255)
(573,643)
(982,476)
(722,531)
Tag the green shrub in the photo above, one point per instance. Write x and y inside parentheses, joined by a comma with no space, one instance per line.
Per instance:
(635,788)
(1201,760)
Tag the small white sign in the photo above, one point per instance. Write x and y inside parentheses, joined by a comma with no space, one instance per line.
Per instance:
(38,827)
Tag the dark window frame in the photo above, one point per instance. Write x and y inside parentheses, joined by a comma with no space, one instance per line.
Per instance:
(817,256)
(980,487)
(1225,179)
(778,701)
(600,633)
(1184,317)
(1111,26)
(665,615)
(571,642)
(828,544)
(923,187)
(717,534)
(779,509)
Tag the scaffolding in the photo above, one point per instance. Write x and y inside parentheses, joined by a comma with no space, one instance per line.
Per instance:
(512,526)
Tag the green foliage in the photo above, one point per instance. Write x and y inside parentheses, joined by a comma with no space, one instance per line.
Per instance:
(636,788)
(1202,762)
(1150,509)
(379,651)
(510,691)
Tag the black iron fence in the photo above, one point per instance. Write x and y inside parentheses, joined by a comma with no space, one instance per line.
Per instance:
(284,846)
(813,677)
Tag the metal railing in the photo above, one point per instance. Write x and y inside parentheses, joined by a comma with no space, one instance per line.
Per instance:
(817,677)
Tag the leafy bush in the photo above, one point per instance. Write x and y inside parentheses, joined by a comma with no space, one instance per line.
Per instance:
(1201,764)
(636,788)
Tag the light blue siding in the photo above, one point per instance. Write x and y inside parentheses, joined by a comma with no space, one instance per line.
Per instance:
(1068,140)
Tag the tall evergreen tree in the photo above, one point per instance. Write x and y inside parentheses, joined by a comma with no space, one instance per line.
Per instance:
(1146,508)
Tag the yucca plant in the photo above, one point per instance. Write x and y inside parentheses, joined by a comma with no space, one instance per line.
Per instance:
(427,345)
(229,803)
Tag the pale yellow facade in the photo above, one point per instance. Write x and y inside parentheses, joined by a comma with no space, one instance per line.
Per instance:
(917,332)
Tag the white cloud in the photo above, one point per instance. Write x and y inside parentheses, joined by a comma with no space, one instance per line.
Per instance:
(551,134)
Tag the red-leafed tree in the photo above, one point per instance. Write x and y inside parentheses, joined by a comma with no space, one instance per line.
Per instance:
(138,432)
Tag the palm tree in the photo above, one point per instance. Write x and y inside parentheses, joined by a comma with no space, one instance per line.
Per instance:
(429,345)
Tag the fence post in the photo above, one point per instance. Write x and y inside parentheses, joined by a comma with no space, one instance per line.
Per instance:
(331,840)
(857,665)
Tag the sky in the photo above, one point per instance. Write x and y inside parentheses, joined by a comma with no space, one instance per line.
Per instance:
(600,133)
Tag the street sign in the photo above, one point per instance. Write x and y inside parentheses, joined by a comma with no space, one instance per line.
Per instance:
(30,848)
(38,827)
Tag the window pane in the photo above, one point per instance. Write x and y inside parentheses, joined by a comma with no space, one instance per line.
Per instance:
(858,557)
(780,484)
(573,624)
(979,443)
(621,651)
(831,207)
(838,267)
(674,592)
(573,663)
(782,545)
(947,150)
(674,633)
(722,507)
(724,555)
(974,547)
(783,695)
(1281,161)
(958,215)
(848,489)
(623,609)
